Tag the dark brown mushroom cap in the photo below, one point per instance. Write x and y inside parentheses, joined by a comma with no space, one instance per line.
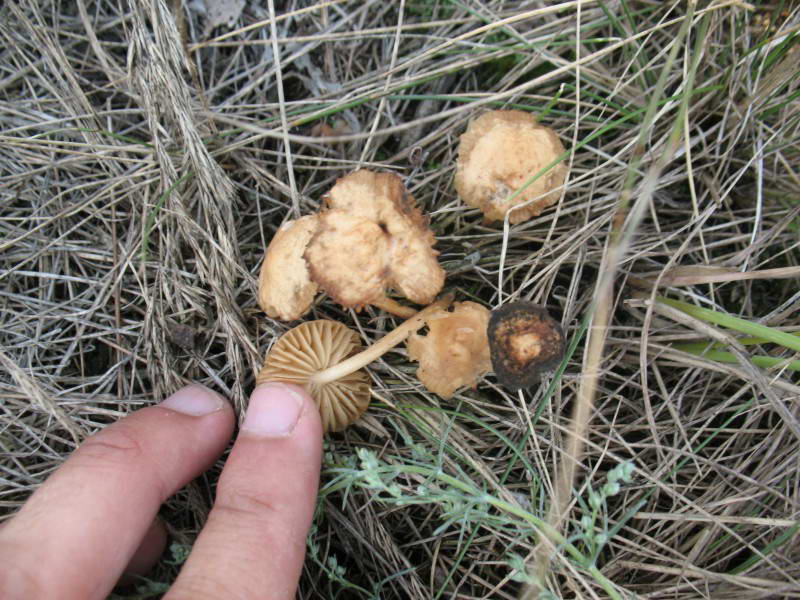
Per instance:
(309,348)
(524,342)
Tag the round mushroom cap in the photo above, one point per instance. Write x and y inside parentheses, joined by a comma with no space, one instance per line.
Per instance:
(524,341)
(405,260)
(309,348)
(285,289)
(455,352)
(500,151)
(348,257)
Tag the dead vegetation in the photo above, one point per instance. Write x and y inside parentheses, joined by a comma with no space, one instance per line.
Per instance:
(148,154)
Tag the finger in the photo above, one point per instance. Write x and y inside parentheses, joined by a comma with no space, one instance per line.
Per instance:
(254,541)
(86,521)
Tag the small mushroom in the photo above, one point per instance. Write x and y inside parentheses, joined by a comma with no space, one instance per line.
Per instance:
(455,352)
(285,289)
(372,236)
(498,154)
(525,342)
(323,356)
(311,347)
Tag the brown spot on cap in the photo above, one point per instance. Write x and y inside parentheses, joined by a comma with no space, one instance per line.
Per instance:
(524,342)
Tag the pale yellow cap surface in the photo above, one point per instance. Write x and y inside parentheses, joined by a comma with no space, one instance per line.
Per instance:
(373,237)
(455,352)
(285,289)
(500,151)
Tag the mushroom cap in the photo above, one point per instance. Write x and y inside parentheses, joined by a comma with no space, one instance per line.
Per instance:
(524,341)
(348,257)
(499,152)
(285,289)
(396,251)
(382,198)
(455,352)
(414,270)
(309,348)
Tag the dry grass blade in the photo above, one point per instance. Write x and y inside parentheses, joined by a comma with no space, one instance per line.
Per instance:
(688,276)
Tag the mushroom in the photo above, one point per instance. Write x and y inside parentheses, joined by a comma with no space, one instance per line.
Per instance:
(372,236)
(285,289)
(323,356)
(313,346)
(500,152)
(524,342)
(348,257)
(455,352)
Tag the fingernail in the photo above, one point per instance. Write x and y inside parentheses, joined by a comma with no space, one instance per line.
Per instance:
(274,410)
(195,400)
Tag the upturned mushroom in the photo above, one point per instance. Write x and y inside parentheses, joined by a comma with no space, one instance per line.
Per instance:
(455,351)
(525,341)
(499,153)
(323,356)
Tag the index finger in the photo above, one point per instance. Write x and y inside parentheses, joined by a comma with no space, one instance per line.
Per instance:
(86,521)
(253,543)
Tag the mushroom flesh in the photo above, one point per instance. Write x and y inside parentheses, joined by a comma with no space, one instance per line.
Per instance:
(372,236)
(285,289)
(455,351)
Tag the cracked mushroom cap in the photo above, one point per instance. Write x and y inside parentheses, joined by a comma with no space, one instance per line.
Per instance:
(348,258)
(372,236)
(455,352)
(524,341)
(500,151)
(309,348)
(285,289)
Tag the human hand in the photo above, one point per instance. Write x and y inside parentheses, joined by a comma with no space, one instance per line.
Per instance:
(94,517)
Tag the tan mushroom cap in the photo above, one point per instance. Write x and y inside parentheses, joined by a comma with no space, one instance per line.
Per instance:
(348,258)
(310,348)
(285,289)
(374,231)
(455,352)
(500,151)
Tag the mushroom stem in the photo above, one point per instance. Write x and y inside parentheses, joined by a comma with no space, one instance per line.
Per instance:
(386,343)
(393,307)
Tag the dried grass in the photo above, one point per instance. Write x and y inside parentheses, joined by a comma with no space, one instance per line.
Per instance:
(145,163)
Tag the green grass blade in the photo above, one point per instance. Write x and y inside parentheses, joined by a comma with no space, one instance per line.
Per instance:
(701,349)
(151,216)
(741,325)
(776,543)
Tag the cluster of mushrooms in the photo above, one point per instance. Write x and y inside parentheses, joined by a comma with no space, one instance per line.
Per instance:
(370,238)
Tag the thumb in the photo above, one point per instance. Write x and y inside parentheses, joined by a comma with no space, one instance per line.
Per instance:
(253,544)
